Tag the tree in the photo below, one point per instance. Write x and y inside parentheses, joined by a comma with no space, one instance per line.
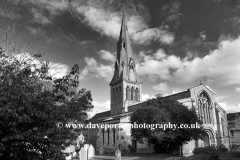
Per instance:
(32,102)
(162,111)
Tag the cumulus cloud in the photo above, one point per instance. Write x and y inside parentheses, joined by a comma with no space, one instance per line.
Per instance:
(230,108)
(221,65)
(99,107)
(158,65)
(162,87)
(238,89)
(95,70)
(102,16)
(106,55)
(58,70)
(145,97)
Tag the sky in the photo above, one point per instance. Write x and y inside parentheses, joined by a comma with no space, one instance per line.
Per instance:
(176,43)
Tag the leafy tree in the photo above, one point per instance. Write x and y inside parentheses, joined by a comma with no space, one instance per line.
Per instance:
(32,102)
(162,111)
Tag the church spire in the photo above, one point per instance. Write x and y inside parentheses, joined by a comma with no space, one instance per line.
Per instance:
(125,68)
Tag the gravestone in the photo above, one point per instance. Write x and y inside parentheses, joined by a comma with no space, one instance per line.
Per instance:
(101,150)
(86,146)
(118,154)
(83,154)
(91,151)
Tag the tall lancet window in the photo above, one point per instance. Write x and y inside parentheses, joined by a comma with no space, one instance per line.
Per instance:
(132,94)
(204,107)
(137,95)
(113,95)
(116,95)
(119,94)
(128,93)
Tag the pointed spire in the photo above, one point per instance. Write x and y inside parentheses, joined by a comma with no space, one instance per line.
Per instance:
(124,65)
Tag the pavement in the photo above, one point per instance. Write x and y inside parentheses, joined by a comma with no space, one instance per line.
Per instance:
(137,156)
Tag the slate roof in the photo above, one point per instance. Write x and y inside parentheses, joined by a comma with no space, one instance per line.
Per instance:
(231,116)
(100,115)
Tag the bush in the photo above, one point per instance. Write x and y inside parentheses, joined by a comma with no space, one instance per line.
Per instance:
(222,147)
(204,150)
(235,153)
(214,155)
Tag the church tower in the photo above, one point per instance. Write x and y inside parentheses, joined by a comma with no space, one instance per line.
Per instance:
(125,87)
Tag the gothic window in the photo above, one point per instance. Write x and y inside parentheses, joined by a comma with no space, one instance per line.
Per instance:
(114,132)
(128,93)
(132,94)
(137,95)
(204,107)
(119,96)
(108,134)
(103,136)
(131,65)
(113,95)
(116,95)
(223,126)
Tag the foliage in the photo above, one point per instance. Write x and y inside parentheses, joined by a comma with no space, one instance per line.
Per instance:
(222,147)
(32,102)
(162,111)
(204,150)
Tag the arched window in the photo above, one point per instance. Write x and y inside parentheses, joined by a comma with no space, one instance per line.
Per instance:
(108,135)
(119,93)
(137,95)
(113,95)
(116,95)
(204,108)
(132,94)
(103,131)
(128,93)
(223,126)
(114,136)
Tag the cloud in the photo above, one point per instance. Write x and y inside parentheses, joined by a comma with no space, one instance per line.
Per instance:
(230,108)
(58,70)
(95,70)
(220,66)
(104,18)
(39,17)
(106,55)
(162,87)
(221,97)
(158,65)
(172,13)
(99,107)
(153,34)
(145,97)
(36,31)
(8,13)
(84,43)
(238,89)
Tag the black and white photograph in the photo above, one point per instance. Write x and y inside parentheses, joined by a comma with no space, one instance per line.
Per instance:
(120,79)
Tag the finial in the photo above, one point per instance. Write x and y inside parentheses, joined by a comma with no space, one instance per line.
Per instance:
(200,82)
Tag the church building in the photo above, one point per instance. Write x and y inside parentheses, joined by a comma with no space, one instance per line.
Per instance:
(126,97)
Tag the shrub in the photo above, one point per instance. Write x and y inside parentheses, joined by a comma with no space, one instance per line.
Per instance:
(204,150)
(235,153)
(222,147)
(214,155)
